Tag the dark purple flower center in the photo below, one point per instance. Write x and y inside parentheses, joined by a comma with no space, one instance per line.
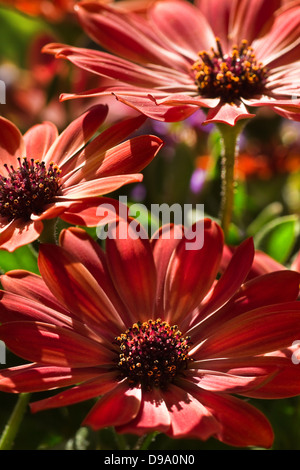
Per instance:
(229,76)
(27,189)
(152,354)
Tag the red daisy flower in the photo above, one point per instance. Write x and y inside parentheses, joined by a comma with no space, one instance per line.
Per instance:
(146,326)
(44,175)
(222,55)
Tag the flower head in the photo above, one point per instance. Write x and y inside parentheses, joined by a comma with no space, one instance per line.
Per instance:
(44,175)
(145,326)
(224,56)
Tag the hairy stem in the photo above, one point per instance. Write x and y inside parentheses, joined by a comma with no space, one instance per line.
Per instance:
(12,427)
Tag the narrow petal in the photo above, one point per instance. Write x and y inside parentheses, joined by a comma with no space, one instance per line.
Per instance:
(179,24)
(99,186)
(218,16)
(193,269)
(256,332)
(76,135)
(147,105)
(231,280)
(95,212)
(252,19)
(228,114)
(283,37)
(116,408)
(153,415)
(19,233)
(50,344)
(74,286)
(80,245)
(109,138)
(226,383)
(16,307)
(121,35)
(12,144)
(163,243)
(189,418)
(230,412)
(102,383)
(132,268)
(267,290)
(30,286)
(31,378)
(129,157)
(39,138)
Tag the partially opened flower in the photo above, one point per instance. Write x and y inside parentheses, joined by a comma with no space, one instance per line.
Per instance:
(145,326)
(225,56)
(44,175)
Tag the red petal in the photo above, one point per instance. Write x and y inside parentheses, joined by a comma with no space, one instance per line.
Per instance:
(231,280)
(99,186)
(76,135)
(129,157)
(193,269)
(256,332)
(189,418)
(39,138)
(163,243)
(74,286)
(230,413)
(179,24)
(94,212)
(31,378)
(93,388)
(11,144)
(31,286)
(251,19)
(228,114)
(19,233)
(153,415)
(132,268)
(116,408)
(80,245)
(122,35)
(267,290)
(52,345)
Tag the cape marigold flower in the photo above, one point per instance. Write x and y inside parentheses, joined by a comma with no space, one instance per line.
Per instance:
(146,326)
(222,55)
(44,175)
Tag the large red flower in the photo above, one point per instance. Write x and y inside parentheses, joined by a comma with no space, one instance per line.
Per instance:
(44,175)
(146,326)
(223,55)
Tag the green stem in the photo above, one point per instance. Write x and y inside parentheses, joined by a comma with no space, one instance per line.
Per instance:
(120,440)
(48,234)
(12,427)
(229,136)
(147,440)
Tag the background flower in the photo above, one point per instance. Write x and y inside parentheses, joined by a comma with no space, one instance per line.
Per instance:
(167,69)
(45,175)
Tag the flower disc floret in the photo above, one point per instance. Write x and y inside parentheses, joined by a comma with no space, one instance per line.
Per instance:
(152,354)
(229,76)
(27,189)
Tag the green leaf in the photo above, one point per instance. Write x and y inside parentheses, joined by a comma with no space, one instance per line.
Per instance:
(264,217)
(278,238)
(22,258)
